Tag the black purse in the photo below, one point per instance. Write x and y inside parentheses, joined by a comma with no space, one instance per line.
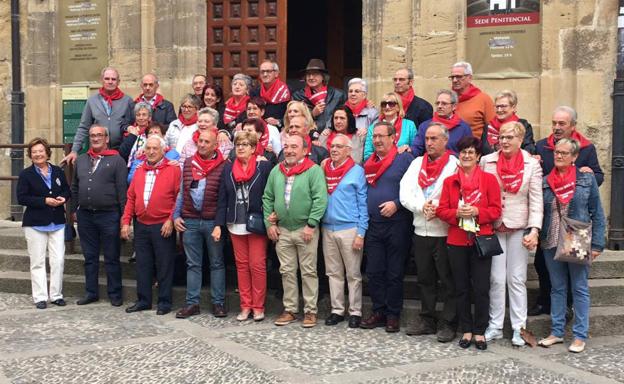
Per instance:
(255,223)
(487,246)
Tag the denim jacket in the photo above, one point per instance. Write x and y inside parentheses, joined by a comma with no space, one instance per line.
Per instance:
(585,206)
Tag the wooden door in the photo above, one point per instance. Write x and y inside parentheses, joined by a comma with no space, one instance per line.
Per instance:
(241,34)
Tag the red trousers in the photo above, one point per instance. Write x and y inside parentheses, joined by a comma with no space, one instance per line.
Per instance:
(250,255)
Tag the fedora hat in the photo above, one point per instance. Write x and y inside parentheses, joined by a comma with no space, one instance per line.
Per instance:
(315,65)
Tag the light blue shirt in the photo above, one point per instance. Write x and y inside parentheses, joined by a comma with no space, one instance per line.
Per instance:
(47,179)
(346,206)
(197,197)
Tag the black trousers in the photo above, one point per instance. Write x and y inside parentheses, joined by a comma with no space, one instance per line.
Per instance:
(154,250)
(387,247)
(432,264)
(471,272)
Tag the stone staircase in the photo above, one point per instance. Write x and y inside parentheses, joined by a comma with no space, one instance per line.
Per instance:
(606,285)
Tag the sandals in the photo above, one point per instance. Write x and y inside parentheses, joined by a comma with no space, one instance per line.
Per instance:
(550,341)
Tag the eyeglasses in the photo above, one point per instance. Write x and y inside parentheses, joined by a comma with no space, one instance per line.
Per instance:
(468,152)
(242,145)
(390,104)
(502,106)
(456,77)
(442,103)
(562,153)
(97,135)
(266,71)
(379,136)
(188,107)
(506,137)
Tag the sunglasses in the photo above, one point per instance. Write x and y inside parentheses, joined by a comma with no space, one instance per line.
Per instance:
(390,104)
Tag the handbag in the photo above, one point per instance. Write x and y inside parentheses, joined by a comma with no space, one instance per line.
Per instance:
(487,246)
(574,245)
(255,223)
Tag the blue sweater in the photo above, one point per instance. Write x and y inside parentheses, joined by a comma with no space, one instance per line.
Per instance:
(346,206)
(460,130)
(387,189)
(408,133)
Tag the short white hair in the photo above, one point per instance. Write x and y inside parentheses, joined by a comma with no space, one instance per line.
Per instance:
(464,64)
(161,141)
(569,111)
(357,80)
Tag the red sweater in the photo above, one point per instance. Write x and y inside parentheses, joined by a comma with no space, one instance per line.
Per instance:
(162,200)
(489,208)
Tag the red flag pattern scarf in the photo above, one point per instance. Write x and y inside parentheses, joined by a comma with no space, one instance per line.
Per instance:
(510,171)
(301,167)
(233,108)
(116,95)
(469,185)
(449,123)
(493,129)
(374,168)
(333,176)
(471,92)
(406,99)
(201,168)
(316,97)
(242,175)
(277,93)
(431,170)
(563,186)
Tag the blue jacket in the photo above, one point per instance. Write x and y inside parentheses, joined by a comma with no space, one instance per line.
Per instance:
(32,192)
(460,130)
(387,189)
(346,206)
(408,133)
(585,206)
(587,158)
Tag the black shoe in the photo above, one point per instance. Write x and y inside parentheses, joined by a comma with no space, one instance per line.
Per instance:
(116,302)
(481,345)
(136,307)
(334,319)
(569,315)
(445,333)
(41,305)
(87,300)
(465,343)
(59,302)
(354,321)
(161,312)
(421,328)
(218,310)
(537,310)
(132,259)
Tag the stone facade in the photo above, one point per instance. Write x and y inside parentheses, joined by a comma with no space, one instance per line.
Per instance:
(169,38)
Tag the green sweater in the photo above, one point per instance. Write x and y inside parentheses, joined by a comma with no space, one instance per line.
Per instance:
(308,198)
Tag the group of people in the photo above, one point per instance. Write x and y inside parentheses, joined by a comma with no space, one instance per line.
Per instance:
(269,167)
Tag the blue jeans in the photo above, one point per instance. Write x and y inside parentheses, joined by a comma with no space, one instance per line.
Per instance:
(579,274)
(198,232)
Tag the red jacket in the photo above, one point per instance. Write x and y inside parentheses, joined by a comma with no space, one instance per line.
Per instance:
(489,208)
(162,199)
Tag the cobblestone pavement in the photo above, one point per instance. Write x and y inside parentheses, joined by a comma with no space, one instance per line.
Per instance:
(99,343)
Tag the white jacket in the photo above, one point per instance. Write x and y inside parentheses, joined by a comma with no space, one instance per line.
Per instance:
(412,197)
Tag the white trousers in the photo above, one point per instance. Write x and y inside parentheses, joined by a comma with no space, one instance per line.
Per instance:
(510,269)
(39,244)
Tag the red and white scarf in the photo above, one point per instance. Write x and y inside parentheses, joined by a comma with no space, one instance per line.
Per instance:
(116,95)
(493,129)
(298,169)
(233,108)
(242,175)
(510,171)
(333,176)
(469,185)
(563,186)
(202,167)
(431,170)
(277,93)
(374,167)
(406,99)
(316,97)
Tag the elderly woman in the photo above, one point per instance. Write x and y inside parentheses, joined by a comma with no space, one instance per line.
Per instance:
(42,188)
(519,176)
(258,127)
(470,203)
(392,112)
(170,153)
(344,122)
(182,129)
(206,120)
(357,102)
(237,103)
(240,196)
(256,107)
(573,194)
(297,108)
(506,104)
(212,97)
(137,133)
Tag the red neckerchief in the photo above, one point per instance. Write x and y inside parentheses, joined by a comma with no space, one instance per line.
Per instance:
(242,175)
(583,141)
(104,152)
(431,170)
(493,129)
(301,167)
(196,134)
(317,96)
(358,108)
(201,168)
(510,171)
(186,122)
(309,142)
(156,167)
(471,92)
(263,141)
(277,93)
(332,135)
(233,109)
(398,125)
(563,186)
(116,95)
(374,168)
(407,98)
(469,185)
(157,100)
(333,176)
(448,123)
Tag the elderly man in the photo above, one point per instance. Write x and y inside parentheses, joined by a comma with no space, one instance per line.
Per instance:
(109,108)
(198,83)
(388,232)
(416,109)
(563,126)
(195,212)
(446,104)
(318,96)
(274,91)
(475,107)
(163,111)
(98,199)
(344,226)
(297,193)
(421,187)
(151,200)
(299,127)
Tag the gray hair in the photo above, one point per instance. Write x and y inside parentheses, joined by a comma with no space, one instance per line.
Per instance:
(191,99)
(389,127)
(569,111)
(464,64)
(209,111)
(576,147)
(246,79)
(452,94)
(443,127)
(161,141)
(151,74)
(110,69)
(346,137)
(99,126)
(143,105)
(357,80)
(275,66)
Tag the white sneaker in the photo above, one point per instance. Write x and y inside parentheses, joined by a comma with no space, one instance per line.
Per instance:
(516,339)
(493,334)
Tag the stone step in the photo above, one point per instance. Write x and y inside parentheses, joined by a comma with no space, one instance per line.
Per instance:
(609,265)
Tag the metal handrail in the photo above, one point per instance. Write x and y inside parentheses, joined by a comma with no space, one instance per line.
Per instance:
(24,146)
